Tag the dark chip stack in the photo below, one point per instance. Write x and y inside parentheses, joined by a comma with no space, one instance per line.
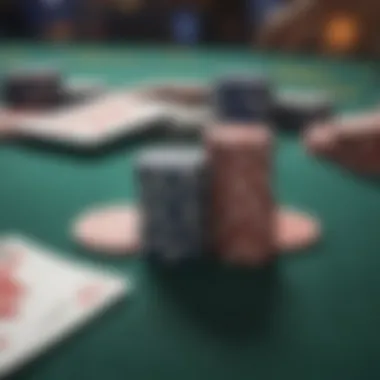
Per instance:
(243,99)
(33,89)
(295,111)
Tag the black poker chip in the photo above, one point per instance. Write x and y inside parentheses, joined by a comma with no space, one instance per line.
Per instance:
(242,98)
(33,88)
(294,111)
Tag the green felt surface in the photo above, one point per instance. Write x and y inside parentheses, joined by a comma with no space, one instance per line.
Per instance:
(312,317)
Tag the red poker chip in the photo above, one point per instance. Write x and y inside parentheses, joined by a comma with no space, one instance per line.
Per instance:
(241,207)
(112,230)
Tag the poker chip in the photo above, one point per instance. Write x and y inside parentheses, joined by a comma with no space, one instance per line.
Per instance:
(242,98)
(112,230)
(351,141)
(33,88)
(173,192)
(365,124)
(321,139)
(295,230)
(296,110)
(241,201)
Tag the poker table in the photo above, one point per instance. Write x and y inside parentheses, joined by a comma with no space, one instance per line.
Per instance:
(310,316)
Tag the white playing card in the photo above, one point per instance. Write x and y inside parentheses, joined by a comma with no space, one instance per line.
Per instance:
(105,118)
(80,84)
(183,118)
(186,118)
(55,296)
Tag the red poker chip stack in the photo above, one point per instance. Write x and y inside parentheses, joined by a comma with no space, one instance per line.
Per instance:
(242,208)
(352,142)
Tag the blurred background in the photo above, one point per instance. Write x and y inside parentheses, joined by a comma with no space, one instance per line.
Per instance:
(336,27)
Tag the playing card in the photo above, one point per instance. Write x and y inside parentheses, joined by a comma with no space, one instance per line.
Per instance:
(76,91)
(105,118)
(44,297)
(185,118)
(177,96)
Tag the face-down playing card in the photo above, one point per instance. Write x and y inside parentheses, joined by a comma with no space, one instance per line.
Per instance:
(94,123)
(44,297)
(187,102)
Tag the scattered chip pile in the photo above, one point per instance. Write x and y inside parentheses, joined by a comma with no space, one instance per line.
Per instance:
(351,141)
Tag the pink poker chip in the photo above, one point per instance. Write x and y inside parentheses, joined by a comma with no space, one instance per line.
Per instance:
(295,230)
(112,230)
(321,139)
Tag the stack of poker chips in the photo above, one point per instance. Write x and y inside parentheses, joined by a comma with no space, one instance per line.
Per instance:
(239,148)
(293,111)
(241,202)
(242,99)
(216,200)
(220,200)
(247,99)
(351,141)
(33,89)
(173,189)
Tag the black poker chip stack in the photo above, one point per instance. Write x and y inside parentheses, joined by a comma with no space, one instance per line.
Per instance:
(33,89)
(294,111)
(243,98)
